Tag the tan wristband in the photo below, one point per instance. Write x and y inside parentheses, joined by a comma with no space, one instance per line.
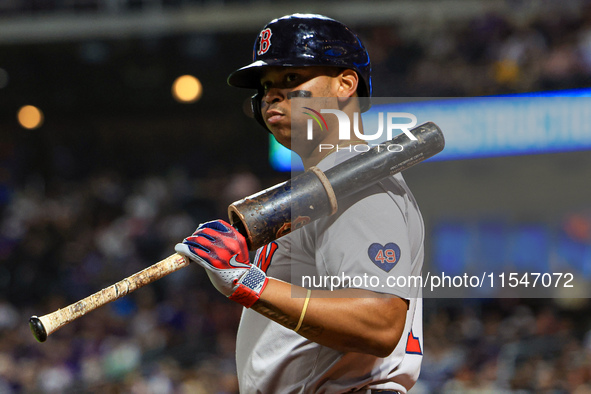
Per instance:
(303,310)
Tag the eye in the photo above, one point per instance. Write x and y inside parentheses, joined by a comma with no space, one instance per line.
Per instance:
(291,79)
(266,85)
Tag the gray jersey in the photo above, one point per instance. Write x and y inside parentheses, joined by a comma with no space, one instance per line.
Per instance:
(374,242)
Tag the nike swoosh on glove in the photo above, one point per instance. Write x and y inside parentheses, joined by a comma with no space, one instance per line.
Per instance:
(222,251)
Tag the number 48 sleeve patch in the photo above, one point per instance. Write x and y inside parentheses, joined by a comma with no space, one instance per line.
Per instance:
(385,257)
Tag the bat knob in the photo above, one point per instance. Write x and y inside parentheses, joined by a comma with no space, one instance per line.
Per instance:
(37,329)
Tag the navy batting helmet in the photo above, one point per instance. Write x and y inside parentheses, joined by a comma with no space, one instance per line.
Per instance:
(304,40)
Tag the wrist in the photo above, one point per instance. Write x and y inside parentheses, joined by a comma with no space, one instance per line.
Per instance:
(304,310)
(249,287)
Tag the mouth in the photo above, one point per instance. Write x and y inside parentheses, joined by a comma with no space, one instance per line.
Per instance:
(273,116)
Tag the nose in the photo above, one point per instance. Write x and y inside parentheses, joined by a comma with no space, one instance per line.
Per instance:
(273,95)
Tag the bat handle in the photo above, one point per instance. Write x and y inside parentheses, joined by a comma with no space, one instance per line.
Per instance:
(43,326)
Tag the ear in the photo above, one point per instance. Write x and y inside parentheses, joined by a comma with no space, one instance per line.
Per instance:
(348,82)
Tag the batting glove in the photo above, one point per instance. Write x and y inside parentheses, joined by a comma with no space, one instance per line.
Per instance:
(222,251)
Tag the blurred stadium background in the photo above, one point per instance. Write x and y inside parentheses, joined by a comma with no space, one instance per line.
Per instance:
(103,170)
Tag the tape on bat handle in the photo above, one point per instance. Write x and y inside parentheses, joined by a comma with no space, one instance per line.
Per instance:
(330,194)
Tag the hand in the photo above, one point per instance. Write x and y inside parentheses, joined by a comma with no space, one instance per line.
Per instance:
(222,251)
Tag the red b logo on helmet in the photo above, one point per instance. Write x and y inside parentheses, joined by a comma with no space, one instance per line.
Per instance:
(265,43)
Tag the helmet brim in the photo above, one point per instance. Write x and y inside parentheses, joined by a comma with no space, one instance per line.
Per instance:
(248,76)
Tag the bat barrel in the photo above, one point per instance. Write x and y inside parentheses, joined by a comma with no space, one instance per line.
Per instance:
(267,215)
(389,158)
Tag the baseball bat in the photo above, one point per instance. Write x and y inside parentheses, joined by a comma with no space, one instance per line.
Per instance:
(266,216)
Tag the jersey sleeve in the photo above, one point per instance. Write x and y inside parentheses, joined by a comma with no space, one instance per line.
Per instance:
(368,245)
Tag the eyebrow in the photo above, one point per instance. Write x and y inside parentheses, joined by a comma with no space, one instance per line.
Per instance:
(265,80)
(299,93)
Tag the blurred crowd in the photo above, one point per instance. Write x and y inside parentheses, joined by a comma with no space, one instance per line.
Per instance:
(506,346)
(63,239)
(175,335)
(488,55)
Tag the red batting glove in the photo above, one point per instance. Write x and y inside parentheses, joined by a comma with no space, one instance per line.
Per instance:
(222,251)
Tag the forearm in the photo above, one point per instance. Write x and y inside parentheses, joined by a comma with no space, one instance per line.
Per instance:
(349,320)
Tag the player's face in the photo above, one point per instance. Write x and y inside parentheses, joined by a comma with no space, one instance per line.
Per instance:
(280,85)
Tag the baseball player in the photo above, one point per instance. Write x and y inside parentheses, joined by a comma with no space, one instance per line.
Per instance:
(364,336)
